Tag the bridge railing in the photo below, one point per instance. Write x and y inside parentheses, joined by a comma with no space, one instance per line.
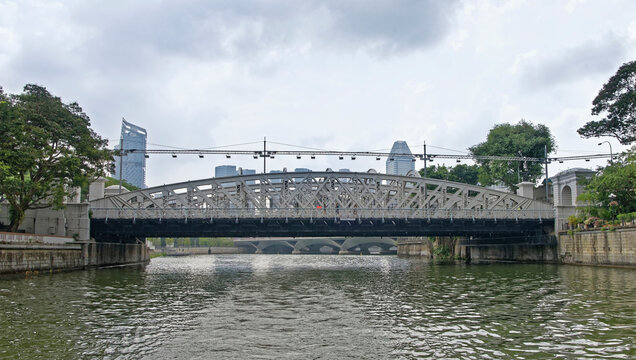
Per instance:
(336,214)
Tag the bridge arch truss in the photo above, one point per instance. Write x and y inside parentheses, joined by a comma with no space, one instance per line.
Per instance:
(315,197)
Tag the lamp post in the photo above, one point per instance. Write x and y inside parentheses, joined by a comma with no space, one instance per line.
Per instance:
(613,204)
(611,155)
(519,167)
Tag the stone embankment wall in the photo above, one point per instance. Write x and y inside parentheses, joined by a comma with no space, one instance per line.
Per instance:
(593,247)
(25,253)
(442,247)
(448,248)
(514,253)
(16,258)
(415,246)
(590,247)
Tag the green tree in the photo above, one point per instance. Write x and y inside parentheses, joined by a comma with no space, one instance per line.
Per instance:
(521,140)
(125,184)
(618,179)
(617,99)
(46,147)
(436,172)
(467,174)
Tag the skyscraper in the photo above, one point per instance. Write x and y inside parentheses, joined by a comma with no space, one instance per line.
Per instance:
(400,160)
(133,165)
(225,170)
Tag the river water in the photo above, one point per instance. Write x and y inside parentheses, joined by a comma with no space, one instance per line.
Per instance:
(320,307)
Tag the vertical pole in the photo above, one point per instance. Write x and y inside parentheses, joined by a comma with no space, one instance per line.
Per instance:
(121,155)
(424,158)
(425,185)
(264,155)
(547,187)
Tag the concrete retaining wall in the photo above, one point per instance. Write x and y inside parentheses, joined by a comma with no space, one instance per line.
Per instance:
(616,247)
(424,247)
(104,254)
(418,246)
(517,253)
(30,257)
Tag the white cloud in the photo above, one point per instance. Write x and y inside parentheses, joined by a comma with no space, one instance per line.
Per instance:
(350,75)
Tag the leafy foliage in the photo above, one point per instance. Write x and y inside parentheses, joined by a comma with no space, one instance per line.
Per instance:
(46,147)
(467,174)
(619,179)
(125,184)
(512,140)
(617,98)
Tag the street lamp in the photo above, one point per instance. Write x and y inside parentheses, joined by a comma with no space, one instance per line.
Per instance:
(610,145)
(613,205)
(518,173)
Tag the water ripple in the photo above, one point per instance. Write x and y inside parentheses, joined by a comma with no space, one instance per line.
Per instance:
(320,307)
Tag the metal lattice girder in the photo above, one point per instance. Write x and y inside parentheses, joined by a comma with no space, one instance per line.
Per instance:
(312,195)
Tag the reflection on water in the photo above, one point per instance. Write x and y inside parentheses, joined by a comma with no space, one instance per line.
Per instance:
(306,306)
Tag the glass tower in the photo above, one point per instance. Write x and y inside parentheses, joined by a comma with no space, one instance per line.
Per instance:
(133,164)
(400,160)
(225,170)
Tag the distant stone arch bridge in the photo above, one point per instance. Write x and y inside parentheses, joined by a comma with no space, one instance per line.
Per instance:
(317,204)
(318,245)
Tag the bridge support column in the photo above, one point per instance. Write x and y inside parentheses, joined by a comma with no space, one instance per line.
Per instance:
(344,252)
(296,252)
(258,251)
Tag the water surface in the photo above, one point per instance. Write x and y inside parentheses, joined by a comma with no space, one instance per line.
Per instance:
(320,307)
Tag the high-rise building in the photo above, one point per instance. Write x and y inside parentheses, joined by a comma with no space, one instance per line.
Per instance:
(231,170)
(248,172)
(400,160)
(133,165)
(225,170)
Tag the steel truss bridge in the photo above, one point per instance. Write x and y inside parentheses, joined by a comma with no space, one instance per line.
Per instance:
(318,204)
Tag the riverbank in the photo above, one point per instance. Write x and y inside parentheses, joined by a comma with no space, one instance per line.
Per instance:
(27,253)
(613,247)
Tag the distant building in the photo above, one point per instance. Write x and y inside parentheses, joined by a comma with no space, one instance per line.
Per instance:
(133,165)
(302,170)
(248,172)
(344,170)
(277,181)
(400,160)
(225,170)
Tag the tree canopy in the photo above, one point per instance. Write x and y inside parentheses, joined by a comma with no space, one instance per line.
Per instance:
(617,99)
(46,147)
(520,140)
(467,174)
(619,179)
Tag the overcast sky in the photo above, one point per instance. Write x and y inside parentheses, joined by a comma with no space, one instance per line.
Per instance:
(335,75)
